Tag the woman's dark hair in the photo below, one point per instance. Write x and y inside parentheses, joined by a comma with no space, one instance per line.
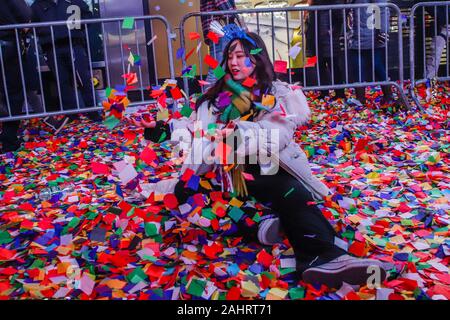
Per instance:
(264,72)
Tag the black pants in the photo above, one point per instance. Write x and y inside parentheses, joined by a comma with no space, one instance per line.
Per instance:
(66,73)
(309,232)
(329,71)
(366,66)
(14,92)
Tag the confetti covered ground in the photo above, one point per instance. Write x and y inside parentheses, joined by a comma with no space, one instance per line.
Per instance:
(391,174)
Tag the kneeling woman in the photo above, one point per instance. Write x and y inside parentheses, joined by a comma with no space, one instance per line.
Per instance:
(228,108)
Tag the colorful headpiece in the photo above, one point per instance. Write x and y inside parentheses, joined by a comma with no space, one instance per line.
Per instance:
(232,31)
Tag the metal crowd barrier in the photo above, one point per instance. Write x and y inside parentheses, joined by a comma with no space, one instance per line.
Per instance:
(69,95)
(429,48)
(279,30)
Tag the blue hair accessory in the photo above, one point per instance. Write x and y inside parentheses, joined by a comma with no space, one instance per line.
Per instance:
(232,31)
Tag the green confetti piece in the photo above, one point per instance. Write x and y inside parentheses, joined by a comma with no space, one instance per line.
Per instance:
(231,284)
(5,238)
(380,242)
(136,276)
(286,271)
(91,269)
(212,128)
(235,214)
(13,278)
(91,215)
(348,234)
(289,192)
(407,222)
(37,264)
(219,72)
(436,193)
(334,212)
(421,266)
(52,183)
(208,214)
(255,51)
(128,23)
(111,122)
(235,87)
(163,137)
(234,113)
(192,73)
(159,292)
(352,210)
(209,230)
(256,218)
(150,230)
(356,193)
(131,212)
(368,211)
(196,287)
(149,258)
(74,222)
(311,151)
(186,111)
(297,293)
(33,185)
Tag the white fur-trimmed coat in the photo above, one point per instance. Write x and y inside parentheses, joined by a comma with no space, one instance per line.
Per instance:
(291,157)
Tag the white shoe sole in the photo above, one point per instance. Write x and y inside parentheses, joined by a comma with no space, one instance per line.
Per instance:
(352,273)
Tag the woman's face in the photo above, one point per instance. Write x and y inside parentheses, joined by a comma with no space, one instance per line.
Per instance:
(236,62)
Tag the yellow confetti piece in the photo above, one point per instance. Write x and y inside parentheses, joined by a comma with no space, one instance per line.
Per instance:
(249,289)
(390,246)
(276,294)
(205,184)
(373,175)
(268,100)
(236,203)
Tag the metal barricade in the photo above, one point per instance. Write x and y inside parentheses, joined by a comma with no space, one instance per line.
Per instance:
(429,41)
(333,69)
(66,52)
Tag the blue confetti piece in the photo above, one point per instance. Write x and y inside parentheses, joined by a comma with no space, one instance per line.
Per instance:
(119,191)
(193,183)
(180,53)
(120,88)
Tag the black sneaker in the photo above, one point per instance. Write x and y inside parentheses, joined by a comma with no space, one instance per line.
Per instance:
(348,269)
(56,124)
